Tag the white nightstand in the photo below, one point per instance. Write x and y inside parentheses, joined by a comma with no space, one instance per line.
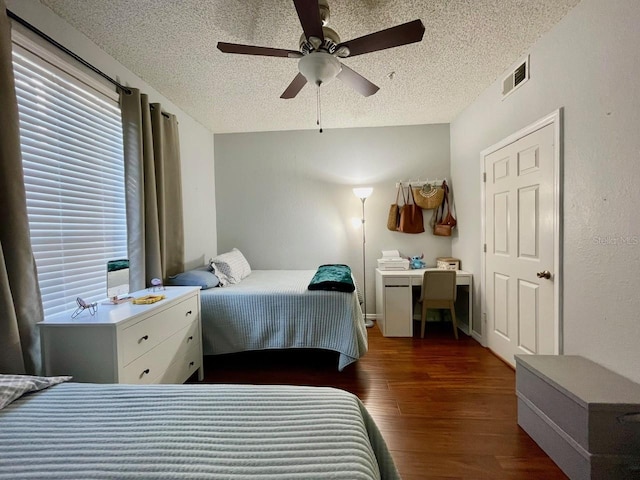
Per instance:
(127,343)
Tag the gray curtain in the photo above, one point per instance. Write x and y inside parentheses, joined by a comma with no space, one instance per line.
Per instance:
(20,302)
(153,190)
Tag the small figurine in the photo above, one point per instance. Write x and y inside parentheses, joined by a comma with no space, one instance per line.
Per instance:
(417,262)
(156,284)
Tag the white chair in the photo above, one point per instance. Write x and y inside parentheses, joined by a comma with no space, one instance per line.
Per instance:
(439,292)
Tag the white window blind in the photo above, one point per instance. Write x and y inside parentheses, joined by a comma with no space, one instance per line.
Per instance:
(71,141)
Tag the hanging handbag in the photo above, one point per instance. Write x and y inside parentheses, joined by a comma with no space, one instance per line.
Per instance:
(445,223)
(428,196)
(411,220)
(393,220)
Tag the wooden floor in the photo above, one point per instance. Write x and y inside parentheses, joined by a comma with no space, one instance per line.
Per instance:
(446,409)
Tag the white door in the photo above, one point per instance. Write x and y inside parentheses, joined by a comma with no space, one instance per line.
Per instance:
(520,217)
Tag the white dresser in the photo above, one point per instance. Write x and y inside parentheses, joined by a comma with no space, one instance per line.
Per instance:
(128,343)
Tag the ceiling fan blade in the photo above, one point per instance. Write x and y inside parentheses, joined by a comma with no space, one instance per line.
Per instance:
(404,34)
(309,15)
(357,81)
(294,87)
(253,50)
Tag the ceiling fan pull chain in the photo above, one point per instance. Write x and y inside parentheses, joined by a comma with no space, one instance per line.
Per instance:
(319,110)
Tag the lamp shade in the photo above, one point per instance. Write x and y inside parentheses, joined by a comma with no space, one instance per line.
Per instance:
(362,192)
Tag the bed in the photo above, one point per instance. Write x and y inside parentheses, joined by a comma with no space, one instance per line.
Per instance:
(273,309)
(101,431)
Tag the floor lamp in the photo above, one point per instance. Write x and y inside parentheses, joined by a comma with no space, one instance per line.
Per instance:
(363,193)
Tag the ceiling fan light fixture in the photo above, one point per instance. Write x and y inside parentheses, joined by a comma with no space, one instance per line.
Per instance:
(319,68)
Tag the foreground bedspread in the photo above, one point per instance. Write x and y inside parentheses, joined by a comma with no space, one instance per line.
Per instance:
(89,431)
(273,309)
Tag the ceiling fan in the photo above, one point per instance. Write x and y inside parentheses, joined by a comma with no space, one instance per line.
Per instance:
(320,48)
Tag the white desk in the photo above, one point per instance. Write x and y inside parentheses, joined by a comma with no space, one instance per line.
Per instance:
(395,300)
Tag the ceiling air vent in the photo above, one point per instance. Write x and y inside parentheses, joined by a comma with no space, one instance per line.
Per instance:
(516,78)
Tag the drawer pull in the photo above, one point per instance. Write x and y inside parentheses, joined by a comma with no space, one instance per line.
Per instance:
(188,313)
(190,338)
(146,337)
(191,364)
(145,372)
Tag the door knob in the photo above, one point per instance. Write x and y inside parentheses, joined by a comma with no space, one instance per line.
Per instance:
(544,274)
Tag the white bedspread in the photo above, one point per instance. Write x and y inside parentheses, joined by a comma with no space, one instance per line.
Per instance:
(273,309)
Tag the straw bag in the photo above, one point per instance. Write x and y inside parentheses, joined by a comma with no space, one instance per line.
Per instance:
(411,220)
(428,196)
(393,221)
(444,223)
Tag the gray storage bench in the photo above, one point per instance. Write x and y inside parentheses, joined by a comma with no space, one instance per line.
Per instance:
(585,417)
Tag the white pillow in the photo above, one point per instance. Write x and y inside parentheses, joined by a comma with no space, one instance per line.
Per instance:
(13,387)
(230,267)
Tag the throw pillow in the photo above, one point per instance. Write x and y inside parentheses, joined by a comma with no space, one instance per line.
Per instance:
(231,267)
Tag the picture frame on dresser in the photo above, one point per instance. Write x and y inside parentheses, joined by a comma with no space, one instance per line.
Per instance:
(128,343)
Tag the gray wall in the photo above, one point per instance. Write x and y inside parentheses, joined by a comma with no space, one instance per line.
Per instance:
(285,199)
(588,65)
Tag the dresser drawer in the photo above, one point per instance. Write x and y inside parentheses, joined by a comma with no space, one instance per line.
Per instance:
(148,367)
(146,334)
(183,368)
(188,340)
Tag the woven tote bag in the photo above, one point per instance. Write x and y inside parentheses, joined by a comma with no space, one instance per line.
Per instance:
(428,196)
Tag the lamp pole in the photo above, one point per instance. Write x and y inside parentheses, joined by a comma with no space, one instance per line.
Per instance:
(363,194)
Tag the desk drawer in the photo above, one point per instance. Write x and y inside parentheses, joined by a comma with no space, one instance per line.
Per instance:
(397,281)
(146,334)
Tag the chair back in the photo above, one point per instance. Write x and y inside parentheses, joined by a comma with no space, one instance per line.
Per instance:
(439,285)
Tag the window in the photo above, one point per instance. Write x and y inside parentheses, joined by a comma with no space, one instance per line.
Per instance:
(72,153)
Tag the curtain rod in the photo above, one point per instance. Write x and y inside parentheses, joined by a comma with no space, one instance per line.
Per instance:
(43,35)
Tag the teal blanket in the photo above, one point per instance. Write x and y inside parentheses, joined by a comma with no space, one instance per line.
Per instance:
(333,277)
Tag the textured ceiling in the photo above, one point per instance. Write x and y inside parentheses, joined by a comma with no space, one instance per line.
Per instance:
(171,45)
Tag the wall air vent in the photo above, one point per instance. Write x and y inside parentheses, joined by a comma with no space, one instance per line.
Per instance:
(516,78)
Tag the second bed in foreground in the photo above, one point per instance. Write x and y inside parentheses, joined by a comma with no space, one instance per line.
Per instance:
(80,431)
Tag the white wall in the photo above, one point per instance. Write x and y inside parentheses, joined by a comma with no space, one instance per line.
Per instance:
(588,65)
(285,199)
(196,141)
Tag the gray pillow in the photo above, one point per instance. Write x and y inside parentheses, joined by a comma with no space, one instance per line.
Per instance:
(14,386)
(199,277)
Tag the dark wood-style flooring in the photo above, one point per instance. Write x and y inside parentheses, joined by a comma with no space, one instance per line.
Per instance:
(446,408)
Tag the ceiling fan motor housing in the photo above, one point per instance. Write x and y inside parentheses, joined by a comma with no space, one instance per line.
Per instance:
(325,12)
(331,41)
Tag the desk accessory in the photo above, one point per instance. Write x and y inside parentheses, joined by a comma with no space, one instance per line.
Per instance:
(82,306)
(148,299)
(391,260)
